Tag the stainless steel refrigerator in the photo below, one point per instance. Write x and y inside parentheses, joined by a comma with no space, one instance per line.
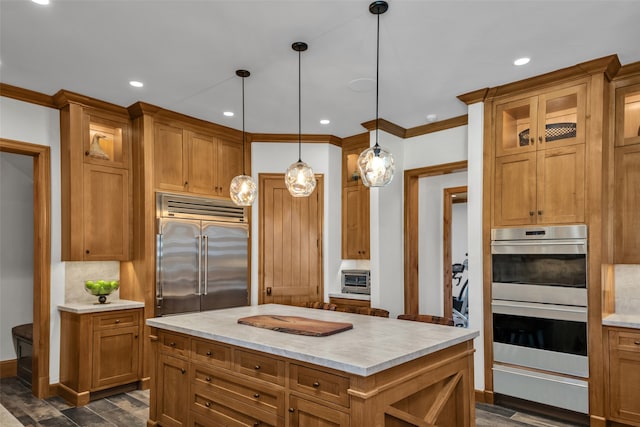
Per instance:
(201,264)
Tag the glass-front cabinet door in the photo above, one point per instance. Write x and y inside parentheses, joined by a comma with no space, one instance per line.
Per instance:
(513,125)
(628,115)
(562,117)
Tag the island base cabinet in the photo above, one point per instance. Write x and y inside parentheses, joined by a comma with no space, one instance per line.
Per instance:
(623,386)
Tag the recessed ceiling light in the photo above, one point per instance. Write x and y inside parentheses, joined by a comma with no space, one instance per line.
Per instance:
(228,113)
(41,2)
(325,121)
(521,61)
(135,83)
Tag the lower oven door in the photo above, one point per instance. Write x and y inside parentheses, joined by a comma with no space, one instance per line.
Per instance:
(541,336)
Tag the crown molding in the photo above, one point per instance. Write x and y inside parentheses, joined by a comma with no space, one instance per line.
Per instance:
(386,126)
(628,70)
(63,97)
(474,97)
(26,95)
(293,138)
(437,126)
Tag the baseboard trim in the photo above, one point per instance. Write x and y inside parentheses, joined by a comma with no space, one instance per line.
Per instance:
(145,383)
(483,396)
(9,368)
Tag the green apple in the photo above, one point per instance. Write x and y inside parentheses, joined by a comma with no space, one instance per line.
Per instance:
(89,284)
(114,285)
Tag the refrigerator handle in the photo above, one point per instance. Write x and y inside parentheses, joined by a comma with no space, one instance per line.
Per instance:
(159,271)
(205,283)
(199,243)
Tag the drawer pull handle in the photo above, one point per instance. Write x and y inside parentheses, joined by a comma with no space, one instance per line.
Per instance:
(256,367)
(208,404)
(257,395)
(208,379)
(636,342)
(292,410)
(209,353)
(172,344)
(183,370)
(316,384)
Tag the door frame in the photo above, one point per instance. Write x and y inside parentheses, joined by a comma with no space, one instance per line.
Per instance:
(411,233)
(447,212)
(41,258)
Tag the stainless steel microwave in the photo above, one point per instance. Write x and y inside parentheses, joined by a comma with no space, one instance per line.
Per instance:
(356,282)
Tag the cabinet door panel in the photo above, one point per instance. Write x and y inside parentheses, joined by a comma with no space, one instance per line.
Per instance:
(355,220)
(516,126)
(201,154)
(561,185)
(115,357)
(624,377)
(307,414)
(173,391)
(515,190)
(627,204)
(112,138)
(229,163)
(169,162)
(559,110)
(106,213)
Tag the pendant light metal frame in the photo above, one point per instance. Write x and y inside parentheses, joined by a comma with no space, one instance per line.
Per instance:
(299,177)
(243,189)
(376,164)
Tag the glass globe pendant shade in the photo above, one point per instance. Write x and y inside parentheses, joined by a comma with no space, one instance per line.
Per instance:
(300,179)
(376,166)
(243,190)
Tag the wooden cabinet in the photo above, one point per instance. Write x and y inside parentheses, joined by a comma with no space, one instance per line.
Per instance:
(194,162)
(99,351)
(627,174)
(348,303)
(96,184)
(173,391)
(623,375)
(304,413)
(539,174)
(355,202)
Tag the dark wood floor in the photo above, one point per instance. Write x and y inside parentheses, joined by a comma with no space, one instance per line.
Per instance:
(132,410)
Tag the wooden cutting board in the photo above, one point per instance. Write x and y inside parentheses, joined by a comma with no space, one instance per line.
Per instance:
(296,325)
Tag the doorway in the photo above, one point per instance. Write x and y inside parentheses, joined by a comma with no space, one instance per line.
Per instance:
(454,255)
(290,243)
(41,258)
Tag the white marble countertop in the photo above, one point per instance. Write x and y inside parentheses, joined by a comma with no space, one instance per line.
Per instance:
(373,345)
(361,297)
(81,308)
(622,320)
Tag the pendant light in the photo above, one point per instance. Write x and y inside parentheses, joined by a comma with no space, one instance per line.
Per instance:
(299,178)
(375,163)
(243,188)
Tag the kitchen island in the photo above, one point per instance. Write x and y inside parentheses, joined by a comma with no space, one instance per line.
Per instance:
(208,370)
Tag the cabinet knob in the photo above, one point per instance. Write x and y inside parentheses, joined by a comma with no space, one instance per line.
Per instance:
(533,140)
(531,213)
(539,212)
(207,379)
(172,344)
(257,395)
(88,251)
(86,153)
(135,336)
(636,342)
(292,410)
(540,139)
(316,384)
(117,320)
(256,424)
(183,370)
(208,404)
(256,367)
(186,183)
(209,353)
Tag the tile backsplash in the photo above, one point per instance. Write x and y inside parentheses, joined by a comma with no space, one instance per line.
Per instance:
(627,282)
(78,272)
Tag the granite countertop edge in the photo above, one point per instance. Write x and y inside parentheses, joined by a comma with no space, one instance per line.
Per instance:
(622,320)
(87,307)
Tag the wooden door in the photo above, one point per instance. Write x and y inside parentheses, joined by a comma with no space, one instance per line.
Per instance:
(627,205)
(116,355)
(106,208)
(229,165)
(304,413)
(290,243)
(173,392)
(515,190)
(201,163)
(169,160)
(560,198)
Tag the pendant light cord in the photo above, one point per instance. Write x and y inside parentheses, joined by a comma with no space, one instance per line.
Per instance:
(243,133)
(377,75)
(299,107)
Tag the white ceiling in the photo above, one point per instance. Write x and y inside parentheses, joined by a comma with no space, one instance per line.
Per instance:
(186,53)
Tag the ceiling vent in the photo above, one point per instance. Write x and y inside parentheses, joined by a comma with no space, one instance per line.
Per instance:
(177,206)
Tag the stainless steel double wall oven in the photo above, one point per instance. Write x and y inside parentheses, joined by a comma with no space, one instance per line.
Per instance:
(539,310)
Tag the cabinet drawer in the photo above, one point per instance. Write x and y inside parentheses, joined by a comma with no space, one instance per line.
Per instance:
(629,341)
(116,319)
(259,366)
(230,413)
(174,344)
(227,389)
(323,385)
(211,353)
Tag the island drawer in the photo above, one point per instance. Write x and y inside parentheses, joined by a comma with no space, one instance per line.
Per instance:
(323,385)
(210,352)
(623,340)
(224,411)
(228,388)
(116,319)
(259,366)
(174,344)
